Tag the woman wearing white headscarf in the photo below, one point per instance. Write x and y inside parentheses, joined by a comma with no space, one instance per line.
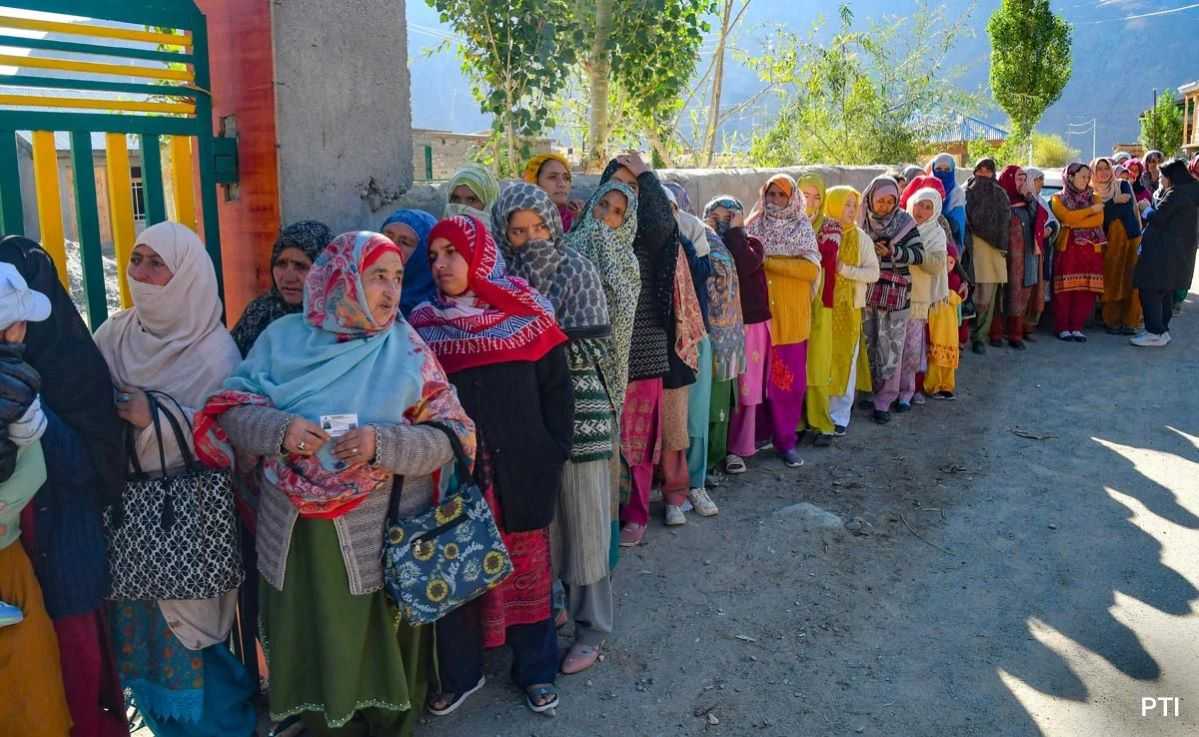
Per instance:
(930,281)
(172,654)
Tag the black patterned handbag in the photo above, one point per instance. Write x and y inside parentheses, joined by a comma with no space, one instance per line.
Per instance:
(177,537)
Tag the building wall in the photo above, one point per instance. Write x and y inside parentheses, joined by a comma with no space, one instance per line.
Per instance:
(342,109)
(450,151)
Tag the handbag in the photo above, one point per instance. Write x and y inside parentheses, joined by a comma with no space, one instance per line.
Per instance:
(890,292)
(437,561)
(177,537)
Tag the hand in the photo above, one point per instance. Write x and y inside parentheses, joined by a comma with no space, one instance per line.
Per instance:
(738,219)
(133,406)
(882,249)
(576,206)
(633,162)
(303,437)
(356,447)
(962,290)
(1097,207)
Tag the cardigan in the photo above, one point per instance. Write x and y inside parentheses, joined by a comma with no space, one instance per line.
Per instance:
(524,417)
(411,451)
(790,284)
(749,255)
(656,245)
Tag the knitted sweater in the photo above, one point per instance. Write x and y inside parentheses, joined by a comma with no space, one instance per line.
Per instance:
(789,282)
(750,255)
(411,451)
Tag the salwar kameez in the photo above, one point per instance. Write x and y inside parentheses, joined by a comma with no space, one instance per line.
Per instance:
(820,371)
(699,401)
(788,384)
(641,445)
(886,334)
(720,414)
(341,660)
(751,390)
(841,405)
(913,359)
(943,351)
(1121,304)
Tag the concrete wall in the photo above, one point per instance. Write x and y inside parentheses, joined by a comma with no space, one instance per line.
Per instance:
(343,111)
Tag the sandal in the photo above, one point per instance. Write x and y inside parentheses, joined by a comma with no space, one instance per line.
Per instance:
(734,464)
(451,701)
(541,697)
(579,658)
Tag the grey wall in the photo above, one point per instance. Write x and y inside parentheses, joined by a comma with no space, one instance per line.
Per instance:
(344,115)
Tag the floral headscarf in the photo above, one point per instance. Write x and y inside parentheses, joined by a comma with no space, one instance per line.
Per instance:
(562,274)
(499,319)
(725,320)
(1072,197)
(784,231)
(335,359)
(894,225)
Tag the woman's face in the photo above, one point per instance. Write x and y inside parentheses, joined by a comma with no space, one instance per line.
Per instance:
(449,267)
(290,270)
(922,211)
(1082,178)
(555,180)
(1038,184)
(883,205)
(464,195)
(1021,181)
(147,267)
(611,209)
(984,172)
(403,236)
(777,196)
(1125,175)
(812,200)
(1103,172)
(525,226)
(626,177)
(849,212)
(951,263)
(1152,165)
(1166,182)
(383,282)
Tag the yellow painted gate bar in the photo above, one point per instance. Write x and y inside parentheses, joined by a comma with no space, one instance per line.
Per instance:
(183,181)
(49,206)
(120,207)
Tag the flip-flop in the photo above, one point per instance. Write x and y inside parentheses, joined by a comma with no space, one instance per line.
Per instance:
(579,658)
(459,700)
(538,691)
(734,466)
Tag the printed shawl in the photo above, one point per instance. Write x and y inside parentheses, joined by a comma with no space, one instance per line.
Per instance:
(1074,198)
(893,226)
(988,212)
(570,281)
(784,231)
(500,318)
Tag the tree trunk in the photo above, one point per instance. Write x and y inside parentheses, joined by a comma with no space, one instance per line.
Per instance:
(599,68)
(717,84)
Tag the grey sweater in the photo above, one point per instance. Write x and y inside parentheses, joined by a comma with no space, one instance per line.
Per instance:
(410,451)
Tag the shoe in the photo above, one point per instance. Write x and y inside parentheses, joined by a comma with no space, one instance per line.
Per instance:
(996,343)
(840,430)
(882,417)
(979,347)
(1066,335)
(1126,330)
(947,396)
(1112,331)
(579,658)
(1168,337)
(631,535)
(10,614)
(901,407)
(1078,336)
(791,458)
(1177,309)
(866,404)
(1018,345)
(675,516)
(703,504)
(822,440)
(734,464)
(919,398)
(1150,340)
(458,700)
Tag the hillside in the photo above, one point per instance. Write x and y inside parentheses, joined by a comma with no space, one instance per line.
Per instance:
(1117,62)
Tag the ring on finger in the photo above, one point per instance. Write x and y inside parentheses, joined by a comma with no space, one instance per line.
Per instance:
(302,445)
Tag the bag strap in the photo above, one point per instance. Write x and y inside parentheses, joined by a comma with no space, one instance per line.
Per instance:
(461,460)
(131,452)
(189,460)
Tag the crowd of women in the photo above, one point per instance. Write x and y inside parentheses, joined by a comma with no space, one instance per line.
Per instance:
(579,357)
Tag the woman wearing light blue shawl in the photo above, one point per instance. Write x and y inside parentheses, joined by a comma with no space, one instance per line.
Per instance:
(944,167)
(409,229)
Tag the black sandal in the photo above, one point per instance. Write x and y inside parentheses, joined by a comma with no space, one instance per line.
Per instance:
(457,700)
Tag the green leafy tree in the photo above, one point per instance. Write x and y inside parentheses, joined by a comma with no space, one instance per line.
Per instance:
(1161,125)
(517,54)
(1050,149)
(1030,61)
(862,96)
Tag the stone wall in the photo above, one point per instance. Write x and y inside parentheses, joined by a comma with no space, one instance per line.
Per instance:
(450,151)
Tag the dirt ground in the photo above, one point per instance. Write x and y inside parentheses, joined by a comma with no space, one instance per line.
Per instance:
(995,583)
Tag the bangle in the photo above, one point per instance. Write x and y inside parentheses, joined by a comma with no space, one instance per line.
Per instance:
(283,436)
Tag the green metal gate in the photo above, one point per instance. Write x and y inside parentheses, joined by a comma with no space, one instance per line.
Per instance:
(129,69)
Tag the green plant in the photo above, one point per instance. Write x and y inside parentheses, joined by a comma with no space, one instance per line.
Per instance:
(1030,61)
(1050,149)
(1161,125)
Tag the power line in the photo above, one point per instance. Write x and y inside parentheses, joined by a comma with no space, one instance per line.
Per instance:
(1151,14)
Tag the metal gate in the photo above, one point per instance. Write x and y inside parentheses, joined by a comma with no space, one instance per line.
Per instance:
(127,71)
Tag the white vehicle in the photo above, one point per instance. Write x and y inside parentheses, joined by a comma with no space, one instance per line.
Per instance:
(1053,185)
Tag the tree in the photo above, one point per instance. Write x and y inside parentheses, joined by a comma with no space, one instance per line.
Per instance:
(863,96)
(518,54)
(728,21)
(1161,125)
(1050,149)
(1030,61)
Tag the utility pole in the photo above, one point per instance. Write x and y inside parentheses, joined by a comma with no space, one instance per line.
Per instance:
(1091,126)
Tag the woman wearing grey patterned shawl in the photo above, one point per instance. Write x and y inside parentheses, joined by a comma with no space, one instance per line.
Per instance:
(528,230)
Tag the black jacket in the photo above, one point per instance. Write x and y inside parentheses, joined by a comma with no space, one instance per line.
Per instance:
(524,416)
(1167,260)
(19,384)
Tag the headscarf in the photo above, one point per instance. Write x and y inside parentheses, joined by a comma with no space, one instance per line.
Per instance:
(172,338)
(691,227)
(533,168)
(726,323)
(784,231)
(480,181)
(910,172)
(335,358)
(1147,179)
(562,274)
(611,251)
(1121,156)
(828,238)
(932,235)
(986,163)
(813,180)
(418,279)
(1074,198)
(955,196)
(1193,167)
(727,201)
(1007,180)
(988,211)
(1109,189)
(76,384)
(681,199)
(309,236)
(920,182)
(892,227)
(499,319)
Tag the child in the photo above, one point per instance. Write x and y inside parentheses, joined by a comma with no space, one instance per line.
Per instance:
(946,335)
